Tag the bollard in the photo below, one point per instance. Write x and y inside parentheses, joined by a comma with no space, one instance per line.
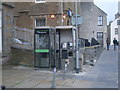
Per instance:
(54,75)
(81,58)
(65,70)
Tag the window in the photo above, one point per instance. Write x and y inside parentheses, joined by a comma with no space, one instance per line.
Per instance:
(118,22)
(40,22)
(100,20)
(116,30)
(39,1)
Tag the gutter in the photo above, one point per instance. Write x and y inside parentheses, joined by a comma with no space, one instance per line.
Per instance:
(11,5)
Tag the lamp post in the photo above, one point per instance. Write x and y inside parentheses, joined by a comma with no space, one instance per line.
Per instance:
(77,51)
(0,28)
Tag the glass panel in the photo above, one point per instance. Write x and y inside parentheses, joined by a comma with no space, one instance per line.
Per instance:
(42,48)
(42,40)
(100,20)
(39,1)
(44,60)
(116,30)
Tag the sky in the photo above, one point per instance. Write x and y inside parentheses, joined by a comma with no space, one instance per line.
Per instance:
(109,6)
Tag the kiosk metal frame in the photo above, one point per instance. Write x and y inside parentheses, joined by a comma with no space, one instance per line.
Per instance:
(44,47)
(66,34)
(48,47)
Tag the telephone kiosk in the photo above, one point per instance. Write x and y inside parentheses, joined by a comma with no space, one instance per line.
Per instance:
(52,46)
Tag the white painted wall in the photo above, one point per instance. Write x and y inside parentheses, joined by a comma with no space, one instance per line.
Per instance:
(0,31)
(119,25)
(119,32)
(113,35)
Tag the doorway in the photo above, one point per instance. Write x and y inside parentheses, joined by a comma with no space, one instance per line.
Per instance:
(100,38)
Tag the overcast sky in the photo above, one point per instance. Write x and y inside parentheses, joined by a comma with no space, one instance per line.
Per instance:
(109,6)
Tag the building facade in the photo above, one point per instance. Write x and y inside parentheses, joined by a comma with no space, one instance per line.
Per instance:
(108,31)
(31,15)
(119,23)
(94,23)
(36,14)
(113,31)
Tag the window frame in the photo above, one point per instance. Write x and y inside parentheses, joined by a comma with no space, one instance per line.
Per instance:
(116,30)
(100,20)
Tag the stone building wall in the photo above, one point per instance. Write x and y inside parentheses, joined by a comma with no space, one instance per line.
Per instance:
(89,27)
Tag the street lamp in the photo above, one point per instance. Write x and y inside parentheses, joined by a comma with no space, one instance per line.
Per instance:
(52,16)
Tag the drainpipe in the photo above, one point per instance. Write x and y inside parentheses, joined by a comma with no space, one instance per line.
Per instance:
(0,27)
(61,7)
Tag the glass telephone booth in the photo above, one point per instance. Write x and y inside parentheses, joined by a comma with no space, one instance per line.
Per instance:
(44,47)
(49,43)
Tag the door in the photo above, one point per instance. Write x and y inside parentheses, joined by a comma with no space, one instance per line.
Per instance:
(100,37)
(42,52)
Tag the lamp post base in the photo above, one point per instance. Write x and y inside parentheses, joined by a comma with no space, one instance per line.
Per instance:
(77,70)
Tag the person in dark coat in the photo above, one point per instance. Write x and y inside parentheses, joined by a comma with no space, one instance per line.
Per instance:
(2,87)
(115,43)
(108,43)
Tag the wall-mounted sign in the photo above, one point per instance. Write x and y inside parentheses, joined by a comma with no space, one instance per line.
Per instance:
(79,20)
(69,13)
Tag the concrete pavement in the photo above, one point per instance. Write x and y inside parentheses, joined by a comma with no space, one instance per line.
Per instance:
(119,66)
(103,75)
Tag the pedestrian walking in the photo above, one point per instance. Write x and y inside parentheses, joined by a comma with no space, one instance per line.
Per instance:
(115,43)
(108,43)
